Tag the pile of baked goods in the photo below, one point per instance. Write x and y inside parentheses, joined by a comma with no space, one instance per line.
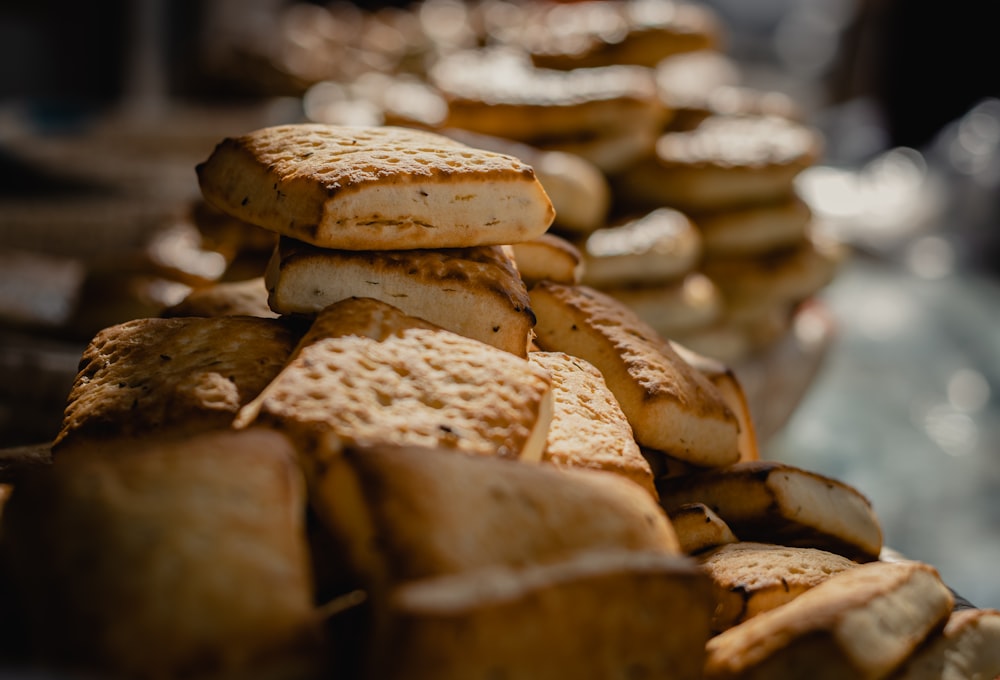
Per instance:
(635,118)
(419,462)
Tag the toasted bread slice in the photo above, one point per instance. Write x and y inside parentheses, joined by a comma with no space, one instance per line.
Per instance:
(751,578)
(660,246)
(671,406)
(374,188)
(475,292)
(405,513)
(860,623)
(588,427)
(194,542)
(775,502)
(968,647)
(548,258)
(186,374)
(225,298)
(505,622)
(699,529)
(367,372)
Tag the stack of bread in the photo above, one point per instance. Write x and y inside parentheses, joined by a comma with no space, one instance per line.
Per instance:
(643,95)
(418,465)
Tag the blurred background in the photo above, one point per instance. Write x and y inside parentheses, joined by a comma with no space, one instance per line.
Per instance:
(107,106)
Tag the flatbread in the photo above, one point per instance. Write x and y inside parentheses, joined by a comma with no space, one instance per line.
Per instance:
(167,556)
(368,373)
(725,162)
(475,292)
(548,258)
(699,529)
(774,502)
(183,374)
(374,188)
(860,623)
(512,623)
(670,405)
(751,578)
(498,91)
(659,246)
(226,298)
(588,427)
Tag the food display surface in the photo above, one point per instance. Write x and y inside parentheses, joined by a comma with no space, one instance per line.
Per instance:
(492,352)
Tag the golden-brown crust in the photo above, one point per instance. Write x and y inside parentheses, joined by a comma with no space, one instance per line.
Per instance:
(476,292)
(670,405)
(374,188)
(408,383)
(588,427)
(187,374)
(196,543)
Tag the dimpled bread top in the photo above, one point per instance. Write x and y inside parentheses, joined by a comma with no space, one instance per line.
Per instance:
(374,188)
(190,374)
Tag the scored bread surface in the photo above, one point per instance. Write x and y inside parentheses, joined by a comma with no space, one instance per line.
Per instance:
(410,382)
(475,292)
(367,188)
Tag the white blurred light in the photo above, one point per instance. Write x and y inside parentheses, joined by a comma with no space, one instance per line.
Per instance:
(955,432)
(931,257)
(968,390)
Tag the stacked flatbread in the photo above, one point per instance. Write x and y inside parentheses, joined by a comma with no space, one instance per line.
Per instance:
(353,489)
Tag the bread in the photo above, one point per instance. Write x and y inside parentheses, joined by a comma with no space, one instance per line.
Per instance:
(750,578)
(385,188)
(689,304)
(861,623)
(752,283)
(968,647)
(670,406)
(725,162)
(397,514)
(227,298)
(708,82)
(579,191)
(774,502)
(167,556)
(699,529)
(726,381)
(548,258)
(368,373)
(660,246)
(475,292)
(498,91)
(513,622)
(603,33)
(754,230)
(588,427)
(184,374)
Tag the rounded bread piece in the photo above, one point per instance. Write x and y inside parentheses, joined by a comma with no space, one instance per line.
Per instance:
(724,163)
(660,246)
